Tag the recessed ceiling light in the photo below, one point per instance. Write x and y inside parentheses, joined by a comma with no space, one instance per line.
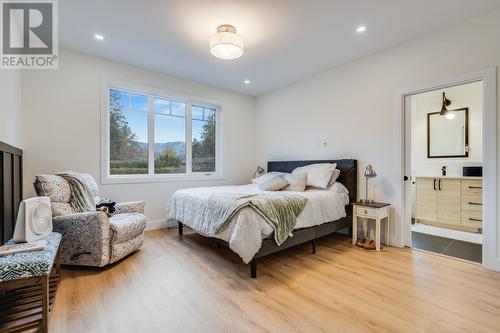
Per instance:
(99,37)
(361,28)
(247,81)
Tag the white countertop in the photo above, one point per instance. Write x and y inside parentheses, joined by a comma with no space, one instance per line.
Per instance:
(444,177)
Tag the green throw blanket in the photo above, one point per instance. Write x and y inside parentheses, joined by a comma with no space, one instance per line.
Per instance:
(280,210)
(82,199)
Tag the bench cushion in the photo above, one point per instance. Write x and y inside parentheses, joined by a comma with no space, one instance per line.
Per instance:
(30,264)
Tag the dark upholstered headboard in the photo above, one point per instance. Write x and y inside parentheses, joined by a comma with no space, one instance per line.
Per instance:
(348,172)
(11,188)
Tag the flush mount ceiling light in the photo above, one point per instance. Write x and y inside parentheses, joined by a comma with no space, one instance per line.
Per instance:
(247,82)
(226,43)
(99,37)
(444,111)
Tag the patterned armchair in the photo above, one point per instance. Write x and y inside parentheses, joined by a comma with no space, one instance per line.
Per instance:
(91,238)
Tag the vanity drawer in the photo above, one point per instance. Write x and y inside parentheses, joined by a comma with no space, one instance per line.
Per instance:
(473,203)
(472,219)
(366,212)
(472,187)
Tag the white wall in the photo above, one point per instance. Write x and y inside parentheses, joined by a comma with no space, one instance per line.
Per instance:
(463,96)
(353,106)
(61,113)
(10,107)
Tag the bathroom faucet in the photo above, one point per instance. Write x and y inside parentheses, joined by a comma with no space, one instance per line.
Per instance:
(443,170)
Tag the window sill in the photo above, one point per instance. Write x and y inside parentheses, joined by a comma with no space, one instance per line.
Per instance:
(137,179)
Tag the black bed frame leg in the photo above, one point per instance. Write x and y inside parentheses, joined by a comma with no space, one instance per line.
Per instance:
(253,268)
(313,243)
(180,228)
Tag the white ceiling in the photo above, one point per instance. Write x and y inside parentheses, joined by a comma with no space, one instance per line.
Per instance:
(285,40)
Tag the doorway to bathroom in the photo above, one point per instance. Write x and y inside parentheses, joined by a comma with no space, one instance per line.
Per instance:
(444,152)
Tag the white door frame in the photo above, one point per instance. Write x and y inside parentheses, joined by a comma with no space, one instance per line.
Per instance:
(491,235)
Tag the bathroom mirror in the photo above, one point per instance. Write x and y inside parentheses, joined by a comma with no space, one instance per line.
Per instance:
(447,138)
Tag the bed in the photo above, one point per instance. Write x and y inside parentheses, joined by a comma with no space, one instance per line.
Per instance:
(248,234)
(11,188)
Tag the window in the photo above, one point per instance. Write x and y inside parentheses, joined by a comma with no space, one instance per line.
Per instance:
(203,130)
(150,136)
(170,136)
(128,133)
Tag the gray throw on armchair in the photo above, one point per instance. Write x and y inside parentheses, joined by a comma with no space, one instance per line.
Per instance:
(91,238)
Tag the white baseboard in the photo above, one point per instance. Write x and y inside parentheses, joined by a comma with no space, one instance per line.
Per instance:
(158,224)
(465,236)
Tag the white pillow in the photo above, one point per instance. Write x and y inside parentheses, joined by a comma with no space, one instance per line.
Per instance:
(266,176)
(318,175)
(296,181)
(273,184)
(335,187)
(335,176)
(306,168)
(338,187)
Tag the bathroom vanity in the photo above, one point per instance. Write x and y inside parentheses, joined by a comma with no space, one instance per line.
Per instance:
(450,202)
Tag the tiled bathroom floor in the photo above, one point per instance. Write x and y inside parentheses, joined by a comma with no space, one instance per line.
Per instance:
(447,246)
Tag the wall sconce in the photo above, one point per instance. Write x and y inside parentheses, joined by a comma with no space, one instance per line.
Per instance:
(259,172)
(444,111)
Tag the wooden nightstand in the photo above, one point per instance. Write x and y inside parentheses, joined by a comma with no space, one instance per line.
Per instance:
(371,211)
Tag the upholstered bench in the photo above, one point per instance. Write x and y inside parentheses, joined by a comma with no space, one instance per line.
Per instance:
(28,285)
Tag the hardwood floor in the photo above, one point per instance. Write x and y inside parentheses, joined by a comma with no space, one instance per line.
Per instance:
(187,285)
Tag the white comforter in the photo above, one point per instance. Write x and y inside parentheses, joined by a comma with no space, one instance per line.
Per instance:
(245,231)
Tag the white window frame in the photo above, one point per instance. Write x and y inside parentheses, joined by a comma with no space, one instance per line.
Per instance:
(151,177)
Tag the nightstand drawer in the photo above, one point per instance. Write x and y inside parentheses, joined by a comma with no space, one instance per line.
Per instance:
(366,212)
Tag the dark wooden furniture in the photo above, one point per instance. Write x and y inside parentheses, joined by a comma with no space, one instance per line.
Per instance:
(372,204)
(26,303)
(11,190)
(348,177)
(26,298)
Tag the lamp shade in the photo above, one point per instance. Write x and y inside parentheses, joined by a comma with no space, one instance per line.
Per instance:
(226,43)
(259,172)
(370,172)
(446,102)
(443,111)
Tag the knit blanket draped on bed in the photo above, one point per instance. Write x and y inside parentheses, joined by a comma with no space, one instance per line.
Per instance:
(280,210)
(82,199)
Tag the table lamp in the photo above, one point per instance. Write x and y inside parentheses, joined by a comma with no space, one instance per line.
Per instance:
(259,172)
(369,173)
